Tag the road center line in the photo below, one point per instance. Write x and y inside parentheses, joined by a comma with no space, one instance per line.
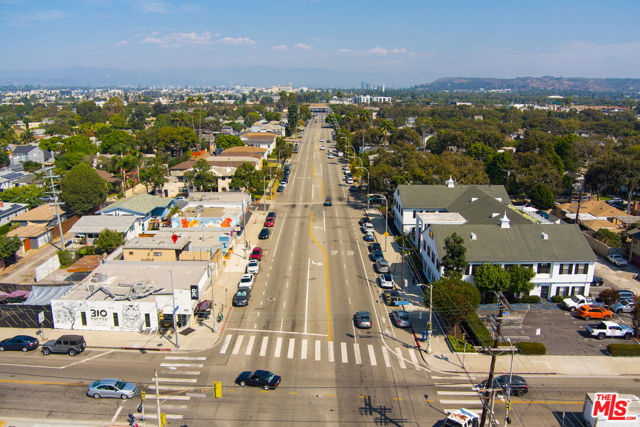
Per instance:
(306,298)
(326,277)
(115,416)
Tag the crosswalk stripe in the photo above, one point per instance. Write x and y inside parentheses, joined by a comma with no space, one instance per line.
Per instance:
(356,351)
(225,345)
(450,377)
(343,351)
(318,350)
(276,353)
(263,347)
(330,351)
(461,402)
(457,393)
(236,348)
(177,380)
(387,362)
(252,338)
(292,347)
(167,416)
(303,354)
(167,406)
(170,387)
(185,358)
(182,365)
(452,385)
(176,372)
(414,358)
(372,355)
(169,397)
(400,358)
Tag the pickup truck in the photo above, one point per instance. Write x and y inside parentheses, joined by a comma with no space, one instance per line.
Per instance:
(608,329)
(576,301)
(462,418)
(617,259)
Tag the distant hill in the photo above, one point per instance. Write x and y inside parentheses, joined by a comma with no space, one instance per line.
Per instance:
(535,84)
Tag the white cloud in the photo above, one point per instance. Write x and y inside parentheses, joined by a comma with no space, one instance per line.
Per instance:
(345,50)
(175,40)
(152,6)
(303,46)
(280,47)
(380,51)
(122,43)
(237,41)
(22,20)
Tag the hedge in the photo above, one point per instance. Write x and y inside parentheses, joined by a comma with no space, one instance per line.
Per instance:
(479,330)
(536,348)
(531,299)
(557,299)
(458,345)
(624,349)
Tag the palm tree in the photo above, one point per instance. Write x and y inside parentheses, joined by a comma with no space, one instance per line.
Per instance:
(385,127)
(27,137)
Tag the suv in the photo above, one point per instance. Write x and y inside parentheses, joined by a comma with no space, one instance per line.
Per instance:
(382,266)
(70,344)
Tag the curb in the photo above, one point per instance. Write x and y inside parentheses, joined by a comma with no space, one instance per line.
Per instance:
(131,348)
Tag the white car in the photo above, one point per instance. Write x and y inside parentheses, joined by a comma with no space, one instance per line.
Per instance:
(322,147)
(253,267)
(385,280)
(330,156)
(617,259)
(349,180)
(246,281)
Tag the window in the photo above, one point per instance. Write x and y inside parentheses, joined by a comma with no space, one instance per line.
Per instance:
(147,320)
(544,268)
(562,291)
(130,252)
(157,254)
(582,268)
(467,270)
(83,317)
(414,214)
(566,268)
(115,319)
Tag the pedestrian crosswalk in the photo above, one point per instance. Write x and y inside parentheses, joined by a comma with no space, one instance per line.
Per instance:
(318,350)
(455,391)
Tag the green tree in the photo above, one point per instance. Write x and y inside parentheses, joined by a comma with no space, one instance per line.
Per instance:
(31,194)
(251,118)
(8,248)
(608,237)
(497,166)
(116,142)
(67,161)
(109,240)
(542,196)
(82,190)
(176,140)
(520,279)
(116,121)
(31,166)
(201,176)
(228,141)
(248,177)
(491,277)
(454,261)
(78,144)
(453,299)
(114,106)
(155,175)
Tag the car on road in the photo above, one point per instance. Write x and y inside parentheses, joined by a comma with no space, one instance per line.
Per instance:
(264,379)
(322,147)
(253,266)
(353,189)
(375,247)
(329,156)
(246,281)
(270,220)
(376,255)
(369,237)
(19,342)
(518,385)
(391,297)
(66,344)
(264,234)
(349,180)
(400,318)
(588,312)
(112,388)
(623,306)
(327,202)
(385,280)
(362,319)
(617,259)
(608,329)
(280,189)
(382,266)
(256,253)
(241,298)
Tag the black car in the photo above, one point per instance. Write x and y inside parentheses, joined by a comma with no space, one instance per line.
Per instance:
(597,281)
(264,233)
(19,342)
(281,189)
(375,247)
(376,255)
(265,379)
(241,298)
(518,387)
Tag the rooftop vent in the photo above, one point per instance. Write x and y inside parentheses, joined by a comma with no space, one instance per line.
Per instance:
(545,236)
(473,199)
(473,236)
(450,182)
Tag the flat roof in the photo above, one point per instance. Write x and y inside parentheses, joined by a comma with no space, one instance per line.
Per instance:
(441,218)
(97,223)
(158,241)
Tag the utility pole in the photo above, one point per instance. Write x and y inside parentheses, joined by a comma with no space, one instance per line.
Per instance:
(578,210)
(54,194)
(402,255)
(429,350)
(494,354)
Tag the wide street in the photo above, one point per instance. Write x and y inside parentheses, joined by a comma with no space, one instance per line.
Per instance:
(315,274)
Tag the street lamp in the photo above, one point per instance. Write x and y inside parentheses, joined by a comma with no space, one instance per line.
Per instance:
(386,213)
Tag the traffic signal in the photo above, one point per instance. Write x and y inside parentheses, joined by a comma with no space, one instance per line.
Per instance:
(508,406)
(163,419)
(143,395)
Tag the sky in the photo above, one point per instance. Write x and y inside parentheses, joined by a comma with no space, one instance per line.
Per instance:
(398,43)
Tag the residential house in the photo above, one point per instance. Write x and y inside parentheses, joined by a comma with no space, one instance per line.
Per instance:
(32,236)
(264,140)
(12,178)
(89,227)
(44,215)
(30,152)
(11,210)
(142,205)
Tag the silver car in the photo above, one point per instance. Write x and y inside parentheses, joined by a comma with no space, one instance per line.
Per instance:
(385,280)
(623,306)
(400,318)
(253,267)
(112,388)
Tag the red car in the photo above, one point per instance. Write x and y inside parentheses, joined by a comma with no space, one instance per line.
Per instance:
(256,253)
(269,222)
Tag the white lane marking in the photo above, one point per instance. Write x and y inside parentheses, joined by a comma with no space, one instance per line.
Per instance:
(182,365)
(252,338)
(276,332)
(201,395)
(330,351)
(167,416)
(324,220)
(255,325)
(306,297)
(166,406)
(236,348)
(177,380)
(372,355)
(172,371)
(303,355)
(343,352)
(185,358)
(287,285)
(318,350)
(458,393)
(461,402)
(356,351)
(452,385)
(292,346)
(398,353)
(170,387)
(281,323)
(349,298)
(276,352)
(168,397)
(115,416)
(263,347)
(259,312)
(70,364)
(386,357)
(414,358)
(225,345)
(452,377)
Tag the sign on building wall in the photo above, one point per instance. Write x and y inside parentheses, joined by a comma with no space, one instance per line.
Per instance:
(194,292)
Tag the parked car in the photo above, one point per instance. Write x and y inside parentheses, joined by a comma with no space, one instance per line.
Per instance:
(112,388)
(264,379)
(253,267)
(327,201)
(400,318)
(367,227)
(575,301)
(597,281)
(241,298)
(376,255)
(269,222)
(625,294)
(518,385)
(608,329)
(256,253)
(385,280)
(375,247)
(264,234)
(617,260)
(391,297)
(246,281)
(588,312)
(362,319)
(623,306)
(203,309)
(280,189)
(69,344)
(369,237)
(19,342)
(349,180)
(353,189)
(382,266)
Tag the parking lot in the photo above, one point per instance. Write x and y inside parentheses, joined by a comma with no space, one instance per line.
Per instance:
(557,329)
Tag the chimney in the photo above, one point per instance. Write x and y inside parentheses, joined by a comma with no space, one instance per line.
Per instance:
(505,222)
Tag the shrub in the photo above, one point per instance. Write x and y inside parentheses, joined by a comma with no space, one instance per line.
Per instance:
(536,348)
(557,299)
(609,296)
(458,345)
(478,330)
(624,349)
(531,299)
(65,258)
